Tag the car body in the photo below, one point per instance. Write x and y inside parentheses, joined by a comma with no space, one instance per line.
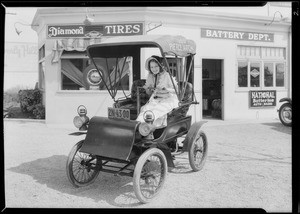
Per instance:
(121,145)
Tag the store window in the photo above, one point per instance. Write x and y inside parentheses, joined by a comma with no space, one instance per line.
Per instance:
(279,74)
(175,66)
(261,67)
(73,64)
(269,74)
(79,73)
(254,74)
(242,74)
(115,72)
(179,69)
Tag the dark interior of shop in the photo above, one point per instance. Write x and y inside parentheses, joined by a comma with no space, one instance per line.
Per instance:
(211,88)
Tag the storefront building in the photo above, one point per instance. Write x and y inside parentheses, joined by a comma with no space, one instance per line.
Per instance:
(242,65)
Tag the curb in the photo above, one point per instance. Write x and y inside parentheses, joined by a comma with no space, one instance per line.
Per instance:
(209,122)
(24,120)
(238,122)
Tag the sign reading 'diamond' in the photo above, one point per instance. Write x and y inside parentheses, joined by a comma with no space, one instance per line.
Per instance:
(87,31)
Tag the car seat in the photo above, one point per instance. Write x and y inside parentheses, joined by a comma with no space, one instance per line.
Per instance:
(182,110)
(131,102)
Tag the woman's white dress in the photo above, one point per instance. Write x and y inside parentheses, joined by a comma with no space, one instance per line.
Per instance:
(160,106)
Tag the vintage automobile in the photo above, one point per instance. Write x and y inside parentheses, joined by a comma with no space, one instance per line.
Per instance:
(119,144)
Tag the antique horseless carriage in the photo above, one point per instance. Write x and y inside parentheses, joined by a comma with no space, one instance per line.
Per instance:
(118,143)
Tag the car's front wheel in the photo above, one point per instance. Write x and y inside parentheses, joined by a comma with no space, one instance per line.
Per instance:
(82,168)
(149,174)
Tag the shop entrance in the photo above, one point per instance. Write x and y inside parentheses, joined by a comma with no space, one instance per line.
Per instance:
(212,88)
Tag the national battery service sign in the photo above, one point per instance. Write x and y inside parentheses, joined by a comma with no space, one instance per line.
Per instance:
(237,35)
(262,98)
(94,31)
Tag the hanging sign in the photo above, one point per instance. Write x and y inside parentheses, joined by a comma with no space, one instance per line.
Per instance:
(237,35)
(94,31)
(262,98)
(254,73)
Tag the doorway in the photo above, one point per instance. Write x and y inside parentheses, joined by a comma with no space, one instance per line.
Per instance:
(212,88)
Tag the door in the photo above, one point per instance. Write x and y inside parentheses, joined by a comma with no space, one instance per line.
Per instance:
(212,88)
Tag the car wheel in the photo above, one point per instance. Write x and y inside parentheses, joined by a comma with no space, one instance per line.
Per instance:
(285,114)
(149,174)
(82,168)
(197,149)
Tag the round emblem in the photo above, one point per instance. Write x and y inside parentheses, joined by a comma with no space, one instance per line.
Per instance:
(93,77)
(81,110)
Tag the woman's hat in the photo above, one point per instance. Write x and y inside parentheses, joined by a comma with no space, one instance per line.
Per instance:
(156,58)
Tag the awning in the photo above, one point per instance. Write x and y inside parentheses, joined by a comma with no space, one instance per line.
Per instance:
(71,44)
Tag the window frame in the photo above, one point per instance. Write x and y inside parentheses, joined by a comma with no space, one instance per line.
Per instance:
(41,72)
(262,62)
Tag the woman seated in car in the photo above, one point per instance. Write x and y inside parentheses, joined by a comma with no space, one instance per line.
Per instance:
(163,97)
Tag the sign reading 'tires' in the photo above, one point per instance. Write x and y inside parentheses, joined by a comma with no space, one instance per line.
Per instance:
(83,31)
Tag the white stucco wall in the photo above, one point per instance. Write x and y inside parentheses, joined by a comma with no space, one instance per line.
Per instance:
(61,106)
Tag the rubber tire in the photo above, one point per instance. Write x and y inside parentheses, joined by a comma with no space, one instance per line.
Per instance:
(138,169)
(69,167)
(191,146)
(285,105)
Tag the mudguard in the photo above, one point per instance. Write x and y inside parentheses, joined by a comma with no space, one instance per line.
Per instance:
(172,131)
(285,99)
(192,133)
(77,133)
(112,138)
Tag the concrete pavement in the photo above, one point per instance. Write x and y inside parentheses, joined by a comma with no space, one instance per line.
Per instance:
(248,166)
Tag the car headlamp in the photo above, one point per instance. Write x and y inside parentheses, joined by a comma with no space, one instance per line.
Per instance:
(81,121)
(145,129)
(78,122)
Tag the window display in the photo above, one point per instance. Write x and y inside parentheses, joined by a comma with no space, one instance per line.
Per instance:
(259,67)
(79,73)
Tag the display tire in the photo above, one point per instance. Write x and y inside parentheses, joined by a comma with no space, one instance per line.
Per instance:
(86,73)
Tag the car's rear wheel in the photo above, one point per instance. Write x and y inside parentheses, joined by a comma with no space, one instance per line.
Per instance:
(149,174)
(82,168)
(197,149)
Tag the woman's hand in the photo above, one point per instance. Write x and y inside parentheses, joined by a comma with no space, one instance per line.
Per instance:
(150,90)
(162,90)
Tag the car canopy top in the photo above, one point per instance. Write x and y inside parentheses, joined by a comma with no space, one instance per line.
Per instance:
(121,46)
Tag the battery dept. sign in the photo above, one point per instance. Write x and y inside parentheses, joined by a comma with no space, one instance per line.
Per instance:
(236,35)
(262,98)
(94,31)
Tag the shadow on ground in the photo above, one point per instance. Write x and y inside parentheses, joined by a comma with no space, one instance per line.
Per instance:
(117,191)
(279,127)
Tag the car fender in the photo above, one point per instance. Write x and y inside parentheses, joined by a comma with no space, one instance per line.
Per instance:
(286,99)
(111,138)
(77,133)
(191,133)
(164,148)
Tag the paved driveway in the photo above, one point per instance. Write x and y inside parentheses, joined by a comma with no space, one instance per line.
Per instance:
(248,166)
